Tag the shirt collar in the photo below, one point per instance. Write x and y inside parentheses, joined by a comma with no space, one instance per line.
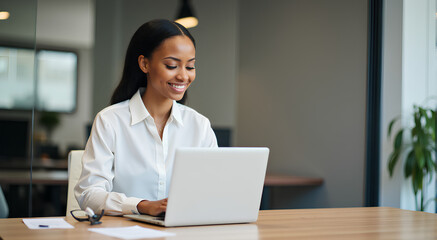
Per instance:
(139,111)
(176,113)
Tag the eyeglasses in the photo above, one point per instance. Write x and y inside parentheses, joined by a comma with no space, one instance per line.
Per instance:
(88,215)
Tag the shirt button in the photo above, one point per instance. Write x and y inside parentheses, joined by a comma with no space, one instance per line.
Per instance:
(161,183)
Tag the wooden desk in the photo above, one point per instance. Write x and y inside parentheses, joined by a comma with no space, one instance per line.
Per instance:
(334,223)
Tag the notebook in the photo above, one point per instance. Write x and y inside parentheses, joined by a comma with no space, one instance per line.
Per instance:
(213,186)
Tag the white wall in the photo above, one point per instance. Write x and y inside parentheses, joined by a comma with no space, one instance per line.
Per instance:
(302,92)
(213,93)
(391,99)
(418,71)
(409,79)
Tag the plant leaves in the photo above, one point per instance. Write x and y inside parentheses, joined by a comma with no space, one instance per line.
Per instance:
(393,159)
(415,183)
(390,125)
(419,162)
(422,112)
(423,138)
(409,164)
(428,119)
(433,124)
(429,166)
(398,140)
(417,120)
(420,159)
(417,180)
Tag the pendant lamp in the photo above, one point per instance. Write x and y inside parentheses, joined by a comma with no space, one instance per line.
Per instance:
(186,15)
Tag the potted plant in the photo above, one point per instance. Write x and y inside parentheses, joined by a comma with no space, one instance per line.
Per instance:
(48,149)
(418,149)
(49,120)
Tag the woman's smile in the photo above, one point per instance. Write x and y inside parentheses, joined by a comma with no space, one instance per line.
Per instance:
(178,87)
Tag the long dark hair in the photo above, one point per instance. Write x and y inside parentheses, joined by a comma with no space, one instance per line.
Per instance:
(144,41)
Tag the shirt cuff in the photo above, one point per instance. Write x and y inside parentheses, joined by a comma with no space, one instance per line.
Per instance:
(130,205)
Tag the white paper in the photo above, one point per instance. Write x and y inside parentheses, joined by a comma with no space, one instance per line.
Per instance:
(46,223)
(134,232)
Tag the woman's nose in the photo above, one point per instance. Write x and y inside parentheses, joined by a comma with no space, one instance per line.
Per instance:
(183,75)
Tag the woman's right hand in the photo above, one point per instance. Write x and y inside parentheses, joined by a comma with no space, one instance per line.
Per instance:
(153,208)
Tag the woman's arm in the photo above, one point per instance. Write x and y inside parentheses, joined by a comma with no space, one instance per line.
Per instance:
(210,140)
(94,188)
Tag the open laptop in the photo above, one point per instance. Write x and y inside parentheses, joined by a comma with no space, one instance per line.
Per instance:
(213,186)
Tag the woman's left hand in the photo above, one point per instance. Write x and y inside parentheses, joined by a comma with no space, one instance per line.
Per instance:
(153,208)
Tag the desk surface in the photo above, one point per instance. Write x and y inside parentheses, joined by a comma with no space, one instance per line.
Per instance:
(334,223)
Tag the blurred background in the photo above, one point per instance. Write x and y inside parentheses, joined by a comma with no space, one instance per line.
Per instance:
(291,75)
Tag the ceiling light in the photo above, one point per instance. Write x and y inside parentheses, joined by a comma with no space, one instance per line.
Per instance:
(186,15)
(4,15)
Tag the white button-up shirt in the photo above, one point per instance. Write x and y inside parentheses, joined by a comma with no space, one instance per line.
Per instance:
(125,161)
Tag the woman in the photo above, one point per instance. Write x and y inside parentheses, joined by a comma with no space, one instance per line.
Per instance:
(128,159)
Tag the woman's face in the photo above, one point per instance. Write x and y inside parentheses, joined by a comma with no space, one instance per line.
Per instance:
(171,68)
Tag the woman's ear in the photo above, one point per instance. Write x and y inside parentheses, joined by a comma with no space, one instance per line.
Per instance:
(143,63)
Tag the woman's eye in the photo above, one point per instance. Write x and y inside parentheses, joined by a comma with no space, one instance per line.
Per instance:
(190,68)
(170,67)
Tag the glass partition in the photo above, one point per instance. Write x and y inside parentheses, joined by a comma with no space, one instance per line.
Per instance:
(17,87)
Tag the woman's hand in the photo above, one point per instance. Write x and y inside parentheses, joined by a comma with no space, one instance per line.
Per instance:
(153,208)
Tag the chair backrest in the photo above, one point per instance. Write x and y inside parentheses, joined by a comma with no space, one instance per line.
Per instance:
(74,172)
(4,209)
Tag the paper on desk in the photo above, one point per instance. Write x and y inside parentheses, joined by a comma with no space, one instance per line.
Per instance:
(133,232)
(46,223)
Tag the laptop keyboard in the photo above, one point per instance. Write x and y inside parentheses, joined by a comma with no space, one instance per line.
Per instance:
(160,216)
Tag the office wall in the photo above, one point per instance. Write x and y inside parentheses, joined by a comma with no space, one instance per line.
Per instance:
(66,24)
(213,93)
(302,92)
(20,27)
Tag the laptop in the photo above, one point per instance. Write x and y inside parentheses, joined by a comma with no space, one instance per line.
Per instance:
(213,186)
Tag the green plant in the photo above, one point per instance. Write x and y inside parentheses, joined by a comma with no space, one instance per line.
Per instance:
(418,149)
(49,120)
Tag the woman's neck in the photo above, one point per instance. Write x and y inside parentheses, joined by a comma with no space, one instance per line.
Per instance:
(158,107)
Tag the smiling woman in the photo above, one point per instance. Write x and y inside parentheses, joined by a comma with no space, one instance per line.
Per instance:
(152,38)
(170,70)
(128,159)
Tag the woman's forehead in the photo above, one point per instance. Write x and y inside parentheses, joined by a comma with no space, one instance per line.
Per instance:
(179,46)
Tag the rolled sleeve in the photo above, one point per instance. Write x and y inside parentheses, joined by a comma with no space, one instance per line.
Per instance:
(129,206)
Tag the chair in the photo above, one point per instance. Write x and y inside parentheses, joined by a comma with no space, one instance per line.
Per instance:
(74,172)
(4,209)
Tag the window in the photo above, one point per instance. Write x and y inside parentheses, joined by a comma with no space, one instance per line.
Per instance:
(56,84)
